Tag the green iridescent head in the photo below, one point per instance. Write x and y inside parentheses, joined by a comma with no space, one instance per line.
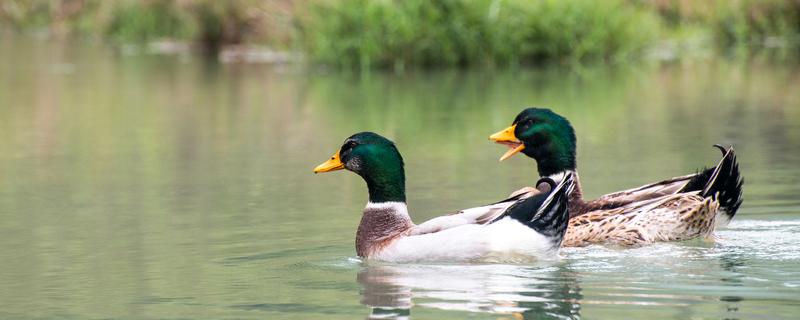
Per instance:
(543,135)
(376,160)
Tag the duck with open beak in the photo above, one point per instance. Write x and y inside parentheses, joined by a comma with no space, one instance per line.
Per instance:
(508,138)
(674,209)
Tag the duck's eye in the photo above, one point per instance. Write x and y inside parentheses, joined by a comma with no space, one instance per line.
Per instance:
(349,145)
(527,123)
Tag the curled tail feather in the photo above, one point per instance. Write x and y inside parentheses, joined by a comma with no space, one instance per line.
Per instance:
(723,182)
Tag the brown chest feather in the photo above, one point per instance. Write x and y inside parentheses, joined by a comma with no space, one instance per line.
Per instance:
(378,228)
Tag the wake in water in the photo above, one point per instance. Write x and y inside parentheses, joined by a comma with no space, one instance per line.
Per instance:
(750,261)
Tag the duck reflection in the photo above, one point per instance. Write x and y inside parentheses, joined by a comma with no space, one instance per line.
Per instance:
(732,263)
(386,298)
(520,292)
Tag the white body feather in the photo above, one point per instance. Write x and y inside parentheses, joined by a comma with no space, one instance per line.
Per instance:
(505,240)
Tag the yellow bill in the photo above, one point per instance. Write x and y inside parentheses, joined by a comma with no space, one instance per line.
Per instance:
(507,137)
(332,164)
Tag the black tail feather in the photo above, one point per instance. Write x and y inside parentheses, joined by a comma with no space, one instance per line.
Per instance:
(723,181)
(699,181)
(730,191)
(546,213)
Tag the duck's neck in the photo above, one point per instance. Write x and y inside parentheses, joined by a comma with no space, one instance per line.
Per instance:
(381,223)
(554,158)
(386,185)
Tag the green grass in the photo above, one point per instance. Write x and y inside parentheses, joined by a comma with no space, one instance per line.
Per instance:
(134,22)
(365,33)
(736,22)
(753,22)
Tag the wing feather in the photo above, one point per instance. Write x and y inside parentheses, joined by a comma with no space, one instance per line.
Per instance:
(477,215)
(648,191)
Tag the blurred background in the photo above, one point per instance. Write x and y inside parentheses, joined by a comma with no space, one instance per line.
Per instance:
(417,34)
(156,156)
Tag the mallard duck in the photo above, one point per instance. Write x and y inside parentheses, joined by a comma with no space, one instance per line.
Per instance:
(674,209)
(509,230)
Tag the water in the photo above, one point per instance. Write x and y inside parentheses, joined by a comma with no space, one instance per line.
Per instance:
(166,187)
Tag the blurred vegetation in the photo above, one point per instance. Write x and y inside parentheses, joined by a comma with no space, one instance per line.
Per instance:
(454,32)
(737,22)
(133,22)
(418,33)
(211,23)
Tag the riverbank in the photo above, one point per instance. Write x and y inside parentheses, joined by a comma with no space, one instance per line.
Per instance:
(363,34)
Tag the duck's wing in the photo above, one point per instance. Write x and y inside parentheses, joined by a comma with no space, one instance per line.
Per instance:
(547,214)
(477,215)
(724,179)
(646,192)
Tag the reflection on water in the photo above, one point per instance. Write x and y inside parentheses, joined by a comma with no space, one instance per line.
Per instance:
(671,280)
(158,187)
(675,280)
(521,292)
(384,294)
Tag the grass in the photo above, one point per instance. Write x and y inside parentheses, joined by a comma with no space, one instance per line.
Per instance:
(396,34)
(132,22)
(736,22)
